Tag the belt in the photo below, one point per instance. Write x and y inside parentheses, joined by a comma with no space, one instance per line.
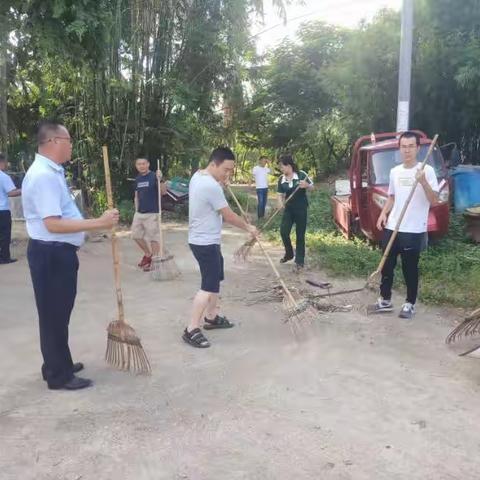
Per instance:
(53,244)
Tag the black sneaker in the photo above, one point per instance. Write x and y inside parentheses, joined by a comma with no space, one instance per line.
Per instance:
(286,259)
(195,338)
(382,306)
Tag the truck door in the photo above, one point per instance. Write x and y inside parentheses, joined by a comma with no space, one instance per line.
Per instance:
(363,206)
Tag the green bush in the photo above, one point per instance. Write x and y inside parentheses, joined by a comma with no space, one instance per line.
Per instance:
(127,211)
(242,198)
(99,202)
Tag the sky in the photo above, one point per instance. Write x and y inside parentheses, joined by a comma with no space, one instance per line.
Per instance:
(347,13)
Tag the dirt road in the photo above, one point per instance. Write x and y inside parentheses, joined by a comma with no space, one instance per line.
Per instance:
(369,398)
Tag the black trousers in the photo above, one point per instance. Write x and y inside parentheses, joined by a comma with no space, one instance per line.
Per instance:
(408,246)
(54,268)
(5,234)
(297,216)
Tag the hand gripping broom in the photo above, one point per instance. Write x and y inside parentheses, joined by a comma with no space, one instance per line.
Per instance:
(124,350)
(163,266)
(299,312)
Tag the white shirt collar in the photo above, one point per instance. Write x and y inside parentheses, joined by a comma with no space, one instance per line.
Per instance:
(50,163)
(294,177)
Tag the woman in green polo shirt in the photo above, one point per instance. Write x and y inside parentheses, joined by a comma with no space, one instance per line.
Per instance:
(295,210)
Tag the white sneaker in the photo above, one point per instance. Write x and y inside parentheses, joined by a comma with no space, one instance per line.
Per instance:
(407,311)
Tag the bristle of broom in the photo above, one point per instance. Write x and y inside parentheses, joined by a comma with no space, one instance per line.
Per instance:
(373,282)
(469,327)
(124,349)
(164,269)
(301,316)
(242,253)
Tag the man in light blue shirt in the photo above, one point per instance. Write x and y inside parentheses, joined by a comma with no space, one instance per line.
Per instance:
(7,189)
(56,230)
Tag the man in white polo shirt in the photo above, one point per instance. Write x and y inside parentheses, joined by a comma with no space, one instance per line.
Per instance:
(411,238)
(56,230)
(7,189)
(260,172)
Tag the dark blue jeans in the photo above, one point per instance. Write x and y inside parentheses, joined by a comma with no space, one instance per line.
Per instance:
(54,267)
(262,195)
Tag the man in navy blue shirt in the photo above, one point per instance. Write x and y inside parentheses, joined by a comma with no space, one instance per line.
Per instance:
(145,230)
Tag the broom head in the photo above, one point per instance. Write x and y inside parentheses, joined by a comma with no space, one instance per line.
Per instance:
(164,268)
(242,253)
(300,315)
(373,282)
(124,349)
(469,327)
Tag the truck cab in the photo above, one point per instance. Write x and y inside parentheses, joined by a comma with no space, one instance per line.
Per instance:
(356,210)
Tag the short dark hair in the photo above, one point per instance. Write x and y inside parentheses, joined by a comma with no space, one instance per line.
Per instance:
(263,157)
(287,159)
(220,154)
(142,158)
(409,134)
(47,128)
(3,157)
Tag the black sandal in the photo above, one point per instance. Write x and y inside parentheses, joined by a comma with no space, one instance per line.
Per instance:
(285,259)
(217,322)
(195,338)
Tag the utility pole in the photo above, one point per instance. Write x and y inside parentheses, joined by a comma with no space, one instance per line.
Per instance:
(405,67)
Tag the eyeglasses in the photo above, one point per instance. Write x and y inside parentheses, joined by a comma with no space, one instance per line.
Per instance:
(63,138)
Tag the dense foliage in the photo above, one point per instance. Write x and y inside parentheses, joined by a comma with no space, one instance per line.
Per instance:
(169,79)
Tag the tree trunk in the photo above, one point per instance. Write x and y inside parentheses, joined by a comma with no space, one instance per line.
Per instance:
(3,83)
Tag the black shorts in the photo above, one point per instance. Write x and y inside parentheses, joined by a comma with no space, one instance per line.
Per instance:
(210,261)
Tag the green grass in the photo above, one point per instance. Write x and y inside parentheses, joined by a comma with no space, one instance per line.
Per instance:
(450,270)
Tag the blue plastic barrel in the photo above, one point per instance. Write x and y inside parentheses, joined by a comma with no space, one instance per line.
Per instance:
(466,186)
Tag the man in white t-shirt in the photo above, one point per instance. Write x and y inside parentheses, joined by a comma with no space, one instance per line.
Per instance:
(412,234)
(260,173)
(207,209)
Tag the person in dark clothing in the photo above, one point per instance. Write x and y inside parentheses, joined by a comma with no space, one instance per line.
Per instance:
(145,221)
(295,211)
(7,190)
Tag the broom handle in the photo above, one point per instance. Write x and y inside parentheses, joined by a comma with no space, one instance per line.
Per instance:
(404,209)
(115,251)
(278,210)
(474,314)
(162,253)
(267,256)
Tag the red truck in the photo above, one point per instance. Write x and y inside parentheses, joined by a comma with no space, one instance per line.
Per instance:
(357,206)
